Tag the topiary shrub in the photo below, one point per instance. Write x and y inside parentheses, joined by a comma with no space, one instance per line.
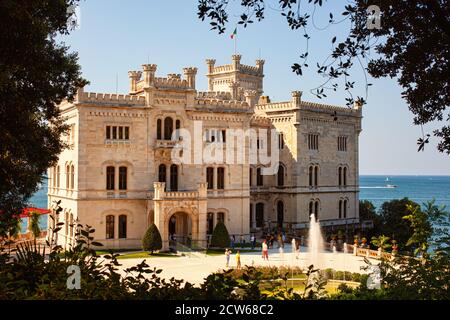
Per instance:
(220,237)
(152,239)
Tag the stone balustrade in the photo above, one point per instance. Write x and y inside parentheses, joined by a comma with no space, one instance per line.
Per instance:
(161,194)
(165,143)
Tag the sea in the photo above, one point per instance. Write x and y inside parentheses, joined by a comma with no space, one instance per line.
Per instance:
(376,188)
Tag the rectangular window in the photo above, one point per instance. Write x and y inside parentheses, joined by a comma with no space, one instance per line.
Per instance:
(122,178)
(117,133)
(110,178)
(281,141)
(313,141)
(210,177)
(122,226)
(109,227)
(220,178)
(120,133)
(220,217)
(259,177)
(224,136)
(342,143)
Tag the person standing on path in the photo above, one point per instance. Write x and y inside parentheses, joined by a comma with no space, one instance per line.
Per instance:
(227,256)
(253,241)
(238,260)
(265,251)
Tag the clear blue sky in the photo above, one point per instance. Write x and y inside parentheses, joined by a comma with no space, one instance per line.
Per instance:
(117,36)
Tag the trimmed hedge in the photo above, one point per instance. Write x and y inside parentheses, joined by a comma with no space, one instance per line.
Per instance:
(152,239)
(220,237)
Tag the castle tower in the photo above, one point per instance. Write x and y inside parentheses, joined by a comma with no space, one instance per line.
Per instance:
(149,74)
(189,74)
(134,76)
(247,77)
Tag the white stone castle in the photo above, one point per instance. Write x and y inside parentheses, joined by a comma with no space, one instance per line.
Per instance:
(119,174)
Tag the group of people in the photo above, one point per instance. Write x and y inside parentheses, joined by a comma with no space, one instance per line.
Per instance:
(266,245)
(228,253)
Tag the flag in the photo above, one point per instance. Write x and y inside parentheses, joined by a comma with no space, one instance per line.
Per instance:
(234,33)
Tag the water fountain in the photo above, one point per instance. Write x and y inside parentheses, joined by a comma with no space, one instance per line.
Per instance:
(315,243)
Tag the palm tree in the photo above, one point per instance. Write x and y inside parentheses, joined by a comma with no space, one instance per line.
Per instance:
(381,242)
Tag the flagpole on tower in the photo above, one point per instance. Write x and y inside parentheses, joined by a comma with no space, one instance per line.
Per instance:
(234,36)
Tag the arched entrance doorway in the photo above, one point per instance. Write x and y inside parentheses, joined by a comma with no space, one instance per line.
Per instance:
(180,229)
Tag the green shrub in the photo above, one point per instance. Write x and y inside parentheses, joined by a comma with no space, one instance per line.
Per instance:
(220,237)
(152,239)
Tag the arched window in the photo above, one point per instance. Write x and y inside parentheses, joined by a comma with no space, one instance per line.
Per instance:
(110,172)
(174,177)
(168,128)
(310,174)
(58,176)
(316,209)
(122,226)
(280,213)
(122,178)
(311,208)
(177,128)
(220,217)
(316,176)
(67,177)
(345,176)
(340,176)
(159,129)
(210,223)
(259,177)
(220,178)
(71,226)
(260,215)
(110,227)
(210,177)
(340,209)
(162,173)
(345,209)
(72,177)
(280,175)
(66,224)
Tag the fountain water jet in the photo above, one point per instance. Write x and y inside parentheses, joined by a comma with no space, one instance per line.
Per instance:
(315,243)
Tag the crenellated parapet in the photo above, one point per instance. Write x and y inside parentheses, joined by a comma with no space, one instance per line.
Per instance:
(220,95)
(110,98)
(221,105)
(170,83)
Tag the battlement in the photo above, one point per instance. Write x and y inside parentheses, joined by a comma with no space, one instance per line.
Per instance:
(109,98)
(221,95)
(304,105)
(275,106)
(221,105)
(171,83)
